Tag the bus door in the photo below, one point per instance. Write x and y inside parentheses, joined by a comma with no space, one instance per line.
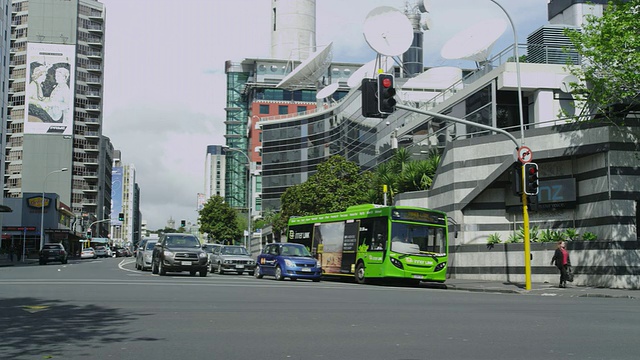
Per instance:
(372,244)
(349,242)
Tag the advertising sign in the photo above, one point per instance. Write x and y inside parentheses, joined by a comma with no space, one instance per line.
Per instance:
(116,194)
(49,90)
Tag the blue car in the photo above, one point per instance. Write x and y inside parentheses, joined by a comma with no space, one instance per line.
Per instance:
(287,260)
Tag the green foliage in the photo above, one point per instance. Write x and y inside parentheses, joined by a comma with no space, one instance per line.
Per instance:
(514,238)
(609,77)
(533,234)
(547,235)
(219,220)
(401,174)
(336,185)
(571,234)
(589,236)
(494,239)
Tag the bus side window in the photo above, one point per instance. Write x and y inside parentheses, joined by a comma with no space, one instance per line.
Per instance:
(366,233)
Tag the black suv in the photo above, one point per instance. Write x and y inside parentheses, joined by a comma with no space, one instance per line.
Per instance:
(53,252)
(175,252)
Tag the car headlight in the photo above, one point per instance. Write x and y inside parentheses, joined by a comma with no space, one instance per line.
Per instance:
(202,255)
(251,262)
(318,264)
(168,253)
(289,263)
(227,261)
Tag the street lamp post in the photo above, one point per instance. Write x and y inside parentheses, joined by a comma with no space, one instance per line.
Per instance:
(248,245)
(42,205)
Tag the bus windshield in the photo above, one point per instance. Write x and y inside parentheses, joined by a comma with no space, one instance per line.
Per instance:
(415,239)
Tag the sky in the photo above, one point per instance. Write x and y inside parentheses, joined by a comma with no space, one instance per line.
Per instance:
(165,86)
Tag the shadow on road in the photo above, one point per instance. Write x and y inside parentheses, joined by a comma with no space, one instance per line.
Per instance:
(32,327)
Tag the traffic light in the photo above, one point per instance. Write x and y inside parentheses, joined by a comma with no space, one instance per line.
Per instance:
(370,98)
(183,223)
(121,217)
(531,182)
(386,94)
(89,234)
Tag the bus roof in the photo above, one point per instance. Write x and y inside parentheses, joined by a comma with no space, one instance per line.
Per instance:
(356,212)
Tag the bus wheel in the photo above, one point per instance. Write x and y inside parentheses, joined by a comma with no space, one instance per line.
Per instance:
(360,273)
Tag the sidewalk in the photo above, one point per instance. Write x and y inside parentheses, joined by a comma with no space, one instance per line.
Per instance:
(540,289)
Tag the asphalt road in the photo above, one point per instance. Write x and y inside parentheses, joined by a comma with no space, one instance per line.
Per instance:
(105,309)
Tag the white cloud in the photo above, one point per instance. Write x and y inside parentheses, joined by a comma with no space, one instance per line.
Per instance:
(165,86)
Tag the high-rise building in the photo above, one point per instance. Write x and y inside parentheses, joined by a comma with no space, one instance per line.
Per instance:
(55,104)
(214,172)
(126,222)
(5,44)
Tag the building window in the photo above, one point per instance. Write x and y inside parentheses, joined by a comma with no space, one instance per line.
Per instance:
(283,109)
(264,109)
(302,109)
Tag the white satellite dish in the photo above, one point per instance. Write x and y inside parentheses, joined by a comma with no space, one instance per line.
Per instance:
(426,23)
(566,83)
(369,70)
(438,78)
(424,6)
(309,70)
(388,31)
(475,42)
(327,91)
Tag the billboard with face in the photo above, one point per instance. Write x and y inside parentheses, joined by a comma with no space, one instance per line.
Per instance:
(49,91)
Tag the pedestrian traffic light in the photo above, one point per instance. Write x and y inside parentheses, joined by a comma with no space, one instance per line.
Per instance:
(121,217)
(531,182)
(386,94)
(370,98)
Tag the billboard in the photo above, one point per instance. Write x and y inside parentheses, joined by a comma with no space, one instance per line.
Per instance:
(49,92)
(201,201)
(116,194)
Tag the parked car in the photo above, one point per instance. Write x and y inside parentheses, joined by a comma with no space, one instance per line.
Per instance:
(101,251)
(288,260)
(110,252)
(175,252)
(232,258)
(53,252)
(120,252)
(144,254)
(88,253)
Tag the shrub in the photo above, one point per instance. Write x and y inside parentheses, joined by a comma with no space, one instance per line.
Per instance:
(494,239)
(571,234)
(514,238)
(547,235)
(533,234)
(589,236)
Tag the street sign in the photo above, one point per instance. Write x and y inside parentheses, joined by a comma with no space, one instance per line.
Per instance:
(524,154)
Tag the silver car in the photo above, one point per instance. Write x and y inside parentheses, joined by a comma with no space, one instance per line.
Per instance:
(232,258)
(143,255)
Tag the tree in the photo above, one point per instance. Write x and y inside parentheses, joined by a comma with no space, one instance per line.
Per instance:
(336,185)
(609,77)
(219,220)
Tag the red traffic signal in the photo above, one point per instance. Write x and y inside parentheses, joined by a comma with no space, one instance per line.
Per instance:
(531,181)
(386,93)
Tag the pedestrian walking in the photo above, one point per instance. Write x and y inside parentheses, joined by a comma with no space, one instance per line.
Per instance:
(11,253)
(562,262)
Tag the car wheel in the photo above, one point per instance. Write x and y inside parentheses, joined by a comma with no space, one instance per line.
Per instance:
(257,273)
(192,273)
(161,268)
(279,275)
(41,262)
(220,271)
(154,267)
(64,261)
(203,273)
(316,280)
(360,274)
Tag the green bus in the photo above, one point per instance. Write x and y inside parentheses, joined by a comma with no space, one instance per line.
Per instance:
(376,242)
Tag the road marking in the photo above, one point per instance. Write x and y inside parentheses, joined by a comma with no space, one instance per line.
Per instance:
(35,308)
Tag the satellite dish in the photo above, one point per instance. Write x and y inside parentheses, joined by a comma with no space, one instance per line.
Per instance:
(566,83)
(475,42)
(424,6)
(309,70)
(369,70)
(438,78)
(388,31)
(327,91)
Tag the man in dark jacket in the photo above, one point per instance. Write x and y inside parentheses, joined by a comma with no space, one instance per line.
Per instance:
(562,262)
